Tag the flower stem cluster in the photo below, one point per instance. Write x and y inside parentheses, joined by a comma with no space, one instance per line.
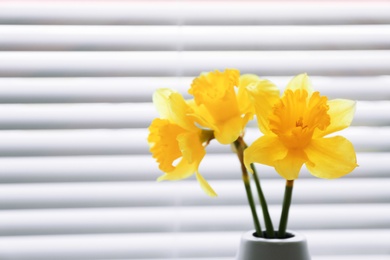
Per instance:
(294,127)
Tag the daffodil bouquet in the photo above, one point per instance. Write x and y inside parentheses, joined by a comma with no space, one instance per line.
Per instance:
(294,127)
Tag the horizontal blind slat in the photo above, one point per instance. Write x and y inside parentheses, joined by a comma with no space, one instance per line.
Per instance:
(76,116)
(144,168)
(140,89)
(341,242)
(187,38)
(106,64)
(179,13)
(186,193)
(187,219)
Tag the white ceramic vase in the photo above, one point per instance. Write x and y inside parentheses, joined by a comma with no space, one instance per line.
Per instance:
(255,248)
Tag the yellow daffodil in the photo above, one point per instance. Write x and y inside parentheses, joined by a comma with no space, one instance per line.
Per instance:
(174,140)
(294,129)
(221,104)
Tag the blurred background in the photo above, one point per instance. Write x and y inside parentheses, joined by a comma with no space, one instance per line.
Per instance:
(76,82)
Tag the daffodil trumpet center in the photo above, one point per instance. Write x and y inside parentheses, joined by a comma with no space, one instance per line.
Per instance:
(217,92)
(166,149)
(297,115)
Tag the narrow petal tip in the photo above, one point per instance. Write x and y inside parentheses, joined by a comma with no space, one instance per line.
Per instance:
(205,186)
(162,178)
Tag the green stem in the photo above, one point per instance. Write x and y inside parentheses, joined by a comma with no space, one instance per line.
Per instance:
(286,208)
(245,177)
(263,202)
(267,219)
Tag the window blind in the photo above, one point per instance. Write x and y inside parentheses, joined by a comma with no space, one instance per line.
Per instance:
(76,81)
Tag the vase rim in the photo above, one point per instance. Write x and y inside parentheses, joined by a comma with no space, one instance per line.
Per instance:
(254,248)
(297,237)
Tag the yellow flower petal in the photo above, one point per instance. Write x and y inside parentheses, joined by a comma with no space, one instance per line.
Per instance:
(228,131)
(192,152)
(172,106)
(246,80)
(243,96)
(264,94)
(331,157)
(215,90)
(205,185)
(202,116)
(265,150)
(183,170)
(341,112)
(161,100)
(290,166)
(218,106)
(302,82)
(191,147)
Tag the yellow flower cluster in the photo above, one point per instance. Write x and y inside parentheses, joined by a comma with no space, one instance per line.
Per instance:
(294,126)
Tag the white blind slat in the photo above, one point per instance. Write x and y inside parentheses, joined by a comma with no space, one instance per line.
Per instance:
(74,116)
(105,64)
(188,38)
(187,219)
(187,12)
(185,193)
(141,89)
(118,246)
